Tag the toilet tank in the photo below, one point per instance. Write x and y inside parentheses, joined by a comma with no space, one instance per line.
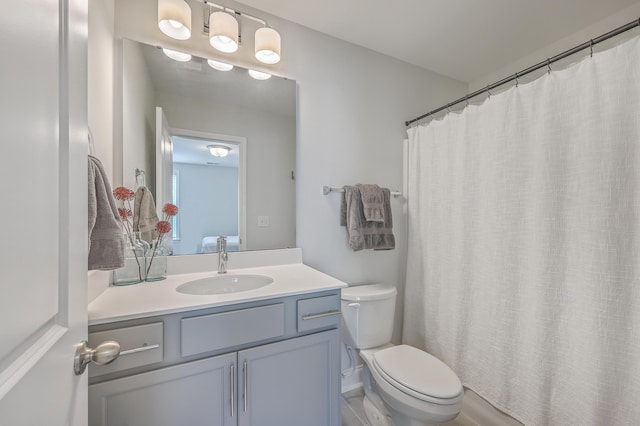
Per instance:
(368,312)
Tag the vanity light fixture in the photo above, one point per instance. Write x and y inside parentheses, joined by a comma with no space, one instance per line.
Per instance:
(223,32)
(177,56)
(267,45)
(220,66)
(219,150)
(222,24)
(259,75)
(174,18)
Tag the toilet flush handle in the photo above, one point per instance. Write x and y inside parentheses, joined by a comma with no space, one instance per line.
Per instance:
(354,305)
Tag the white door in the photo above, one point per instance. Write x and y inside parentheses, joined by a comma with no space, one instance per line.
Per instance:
(164,161)
(43,255)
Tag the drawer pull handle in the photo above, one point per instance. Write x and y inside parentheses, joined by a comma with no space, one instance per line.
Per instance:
(322,315)
(233,389)
(143,348)
(245,393)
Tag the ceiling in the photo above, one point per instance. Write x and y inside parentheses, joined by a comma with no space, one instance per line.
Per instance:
(462,39)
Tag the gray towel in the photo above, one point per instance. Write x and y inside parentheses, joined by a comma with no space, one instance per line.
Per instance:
(106,244)
(145,217)
(372,202)
(362,234)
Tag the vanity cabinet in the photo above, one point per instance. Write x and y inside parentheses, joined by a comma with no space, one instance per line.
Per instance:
(272,363)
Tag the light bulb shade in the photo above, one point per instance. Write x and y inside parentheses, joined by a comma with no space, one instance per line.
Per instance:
(223,32)
(259,75)
(174,18)
(219,150)
(267,45)
(177,56)
(220,66)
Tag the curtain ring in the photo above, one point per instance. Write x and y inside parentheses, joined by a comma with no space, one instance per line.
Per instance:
(488,91)
(517,82)
(466,100)
(449,109)
(548,66)
(591,47)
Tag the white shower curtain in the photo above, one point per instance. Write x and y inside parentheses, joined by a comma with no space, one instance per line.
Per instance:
(523,270)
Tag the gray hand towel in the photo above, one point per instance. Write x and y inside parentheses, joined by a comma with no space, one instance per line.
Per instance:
(361,233)
(145,217)
(372,202)
(106,244)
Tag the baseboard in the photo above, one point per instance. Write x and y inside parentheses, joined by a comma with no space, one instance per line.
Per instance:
(352,379)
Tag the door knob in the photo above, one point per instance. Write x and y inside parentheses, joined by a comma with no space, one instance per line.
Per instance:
(103,354)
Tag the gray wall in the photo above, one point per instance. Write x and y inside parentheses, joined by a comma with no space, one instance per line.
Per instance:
(352,104)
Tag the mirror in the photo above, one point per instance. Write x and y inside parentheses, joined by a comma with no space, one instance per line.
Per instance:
(173,111)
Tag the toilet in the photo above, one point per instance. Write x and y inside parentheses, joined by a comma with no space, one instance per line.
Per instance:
(403,385)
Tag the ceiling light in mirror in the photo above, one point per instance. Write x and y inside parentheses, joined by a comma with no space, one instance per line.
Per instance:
(220,66)
(174,19)
(223,32)
(258,75)
(267,45)
(177,56)
(219,150)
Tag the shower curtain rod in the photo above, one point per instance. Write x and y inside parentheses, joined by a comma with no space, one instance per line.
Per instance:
(547,63)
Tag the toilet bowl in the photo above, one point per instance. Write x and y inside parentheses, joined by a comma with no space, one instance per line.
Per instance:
(404,386)
(417,388)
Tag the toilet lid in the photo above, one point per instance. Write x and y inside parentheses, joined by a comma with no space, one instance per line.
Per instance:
(418,371)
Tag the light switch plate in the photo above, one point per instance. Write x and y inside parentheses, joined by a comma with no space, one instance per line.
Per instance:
(263,221)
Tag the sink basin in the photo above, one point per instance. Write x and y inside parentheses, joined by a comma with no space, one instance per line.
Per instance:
(224,284)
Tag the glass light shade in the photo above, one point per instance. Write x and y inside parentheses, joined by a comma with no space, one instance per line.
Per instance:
(177,56)
(174,18)
(220,66)
(267,45)
(219,150)
(223,32)
(258,75)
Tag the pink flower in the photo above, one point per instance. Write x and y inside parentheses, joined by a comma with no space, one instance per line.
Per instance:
(163,227)
(124,213)
(170,209)
(123,194)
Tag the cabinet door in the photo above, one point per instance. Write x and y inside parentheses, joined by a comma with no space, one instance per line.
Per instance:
(294,382)
(195,394)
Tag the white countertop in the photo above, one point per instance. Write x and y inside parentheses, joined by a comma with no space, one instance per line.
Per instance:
(160,297)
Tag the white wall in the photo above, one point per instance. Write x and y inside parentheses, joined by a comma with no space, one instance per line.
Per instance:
(209,204)
(100,111)
(101,80)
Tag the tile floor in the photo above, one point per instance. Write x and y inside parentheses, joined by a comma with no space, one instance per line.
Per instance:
(353,411)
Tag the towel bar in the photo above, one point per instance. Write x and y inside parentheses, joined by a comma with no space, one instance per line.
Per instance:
(328,189)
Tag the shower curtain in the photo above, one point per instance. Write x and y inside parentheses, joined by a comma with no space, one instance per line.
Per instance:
(523,269)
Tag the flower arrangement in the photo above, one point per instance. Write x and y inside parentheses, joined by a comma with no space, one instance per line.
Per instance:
(163,227)
(125,195)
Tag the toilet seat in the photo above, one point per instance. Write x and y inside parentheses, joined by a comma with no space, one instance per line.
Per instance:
(418,374)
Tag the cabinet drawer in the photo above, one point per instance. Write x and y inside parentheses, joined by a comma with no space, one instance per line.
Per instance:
(139,345)
(227,329)
(318,312)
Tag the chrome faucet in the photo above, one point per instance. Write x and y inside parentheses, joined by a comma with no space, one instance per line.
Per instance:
(222,255)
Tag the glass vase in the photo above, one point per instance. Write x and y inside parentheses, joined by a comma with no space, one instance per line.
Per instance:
(156,262)
(134,262)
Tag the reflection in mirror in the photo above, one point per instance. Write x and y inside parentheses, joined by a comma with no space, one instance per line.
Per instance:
(249,195)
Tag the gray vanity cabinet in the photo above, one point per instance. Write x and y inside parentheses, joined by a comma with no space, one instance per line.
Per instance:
(273,363)
(195,394)
(287,382)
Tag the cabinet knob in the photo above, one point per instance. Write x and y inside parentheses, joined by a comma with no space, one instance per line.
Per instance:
(103,354)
